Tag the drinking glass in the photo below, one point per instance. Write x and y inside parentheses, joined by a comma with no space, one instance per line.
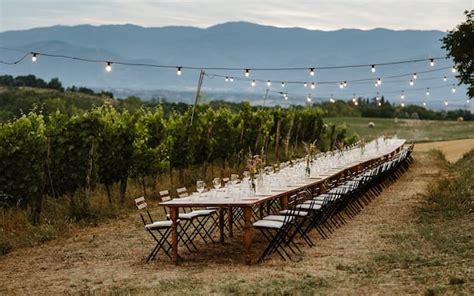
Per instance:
(200,186)
(234,179)
(217,183)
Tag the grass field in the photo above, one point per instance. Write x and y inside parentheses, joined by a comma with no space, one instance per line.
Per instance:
(412,130)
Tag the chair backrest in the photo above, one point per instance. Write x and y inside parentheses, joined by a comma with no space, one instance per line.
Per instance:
(142,206)
(165,195)
(182,192)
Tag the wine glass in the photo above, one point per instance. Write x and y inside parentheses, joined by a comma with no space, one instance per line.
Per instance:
(234,179)
(200,186)
(246,175)
(217,183)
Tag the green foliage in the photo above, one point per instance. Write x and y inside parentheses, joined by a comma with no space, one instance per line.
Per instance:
(460,43)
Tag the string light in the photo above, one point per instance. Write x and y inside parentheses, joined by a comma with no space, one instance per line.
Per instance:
(356,103)
(313,85)
(305,84)
(311,71)
(454,88)
(427,91)
(253,82)
(341,85)
(282,84)
(424,104)
(34,57)
(108,67)
(432,63)
(344,83)
(414,76)
(445,79)
(402,96)
(373,68)
(411,82)
(269,83)
(377,98)
(178,72)
(308,98)
(402,104)
(226,79)
(453,69)
(379,81)
(247,72)
(446,103)
(232,79)
(379,103)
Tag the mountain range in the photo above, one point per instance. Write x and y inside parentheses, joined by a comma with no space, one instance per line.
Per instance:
(233,44)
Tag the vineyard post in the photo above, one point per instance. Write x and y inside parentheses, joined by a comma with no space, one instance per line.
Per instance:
(198,94)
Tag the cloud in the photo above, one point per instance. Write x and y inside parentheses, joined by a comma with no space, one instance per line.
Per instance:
(323,15)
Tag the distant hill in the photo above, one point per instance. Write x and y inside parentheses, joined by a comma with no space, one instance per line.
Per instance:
(234,44)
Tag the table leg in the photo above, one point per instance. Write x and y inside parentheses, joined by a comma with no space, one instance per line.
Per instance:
(248,233)
(221,224)
(230,214)
(174,233)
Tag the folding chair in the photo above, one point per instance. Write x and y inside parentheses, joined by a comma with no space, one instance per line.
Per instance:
(159,230)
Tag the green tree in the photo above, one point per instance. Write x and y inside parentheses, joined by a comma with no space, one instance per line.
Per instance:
(460,46)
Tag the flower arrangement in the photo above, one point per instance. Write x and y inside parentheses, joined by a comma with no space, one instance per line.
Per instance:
(310,151)
(255,164)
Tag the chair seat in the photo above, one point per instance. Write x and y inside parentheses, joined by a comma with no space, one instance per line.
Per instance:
(268,224)
(312,206)
(186,216)
(281,218)
(159,225)
(294,213)
(204,212)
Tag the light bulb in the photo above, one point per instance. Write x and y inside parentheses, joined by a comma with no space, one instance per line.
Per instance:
(341,85)
(402,96)
(411,83)
(269,83)
(424,104)
(108,68)
(414,75)
(311,71)
(453,89)
(247,72)
(373,69)
(446,103)
(380,104)
(432,62)
(308,98)
(453,69)
(427,91)
(34,57)
(345,83)
(231,79)
(253,82)
(377,98)
(282,84)
(226,79)
(356,103)
(379,81)
(445,78)
(402,104)
(305,84)
(178,72)
(376,84)
(313,85)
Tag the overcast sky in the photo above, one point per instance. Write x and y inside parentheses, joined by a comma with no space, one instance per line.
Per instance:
(316,14)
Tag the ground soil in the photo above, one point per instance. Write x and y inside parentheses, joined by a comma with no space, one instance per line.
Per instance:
(110,257)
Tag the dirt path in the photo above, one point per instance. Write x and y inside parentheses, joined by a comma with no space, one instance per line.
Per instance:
(453,150)
(111,257)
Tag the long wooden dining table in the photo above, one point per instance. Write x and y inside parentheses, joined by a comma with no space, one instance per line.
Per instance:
(227,204)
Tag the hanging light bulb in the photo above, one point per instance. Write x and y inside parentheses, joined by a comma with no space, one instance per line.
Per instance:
(253,82)
(345,83)
(231,79)
(411,82)
(356,103)
(424,104)
(108,67)
(377,98)
(427,91)
(282,84)
(402,104)
(247,72)
(226,79)
(379,103)
(313,85)
(454,88)
(373,69)
(305,84)
(414,76)
(402,96)
(354,98)
(446,103)
(432,62)
(178,72)
(341,85)
(376,84)
(311,71)
(445,79)
(34,57)
(379,81)
(269,83)
(453,69)
(308,98)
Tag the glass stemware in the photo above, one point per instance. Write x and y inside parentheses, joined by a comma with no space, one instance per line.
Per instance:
(200,187)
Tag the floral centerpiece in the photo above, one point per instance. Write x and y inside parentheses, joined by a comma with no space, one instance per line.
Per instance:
(310,152)
(255,164)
